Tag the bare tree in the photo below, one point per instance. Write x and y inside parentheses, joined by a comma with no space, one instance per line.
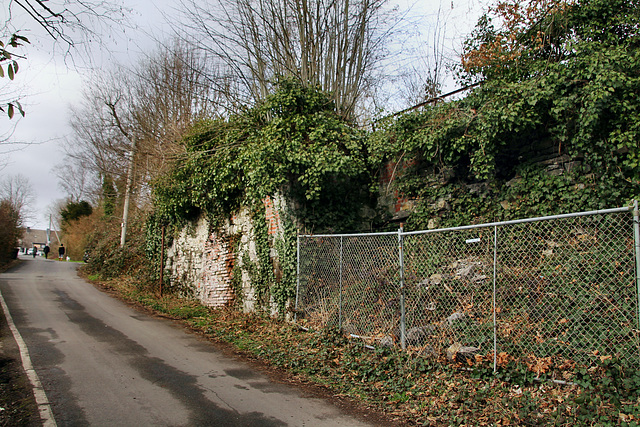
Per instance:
(17,189)
(423,77)
(105,130)
(131,122)
(153,103)
(71,23)
(73,26)
(75,179)
(102,124)
(338,45)
(170,91)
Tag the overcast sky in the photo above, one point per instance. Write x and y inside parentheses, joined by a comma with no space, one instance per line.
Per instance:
(51,85)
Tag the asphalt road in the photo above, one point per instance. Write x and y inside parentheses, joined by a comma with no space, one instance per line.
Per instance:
(101,363)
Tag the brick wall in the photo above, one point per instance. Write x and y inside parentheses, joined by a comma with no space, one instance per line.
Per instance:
(272,214)
(213,288)
(200,265)
(201,262)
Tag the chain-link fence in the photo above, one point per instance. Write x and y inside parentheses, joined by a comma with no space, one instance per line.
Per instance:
(563,286)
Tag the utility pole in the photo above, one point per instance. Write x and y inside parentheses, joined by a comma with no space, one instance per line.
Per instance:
(127,194)
(49,232)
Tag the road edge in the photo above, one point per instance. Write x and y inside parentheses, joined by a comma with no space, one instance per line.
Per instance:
(44,407)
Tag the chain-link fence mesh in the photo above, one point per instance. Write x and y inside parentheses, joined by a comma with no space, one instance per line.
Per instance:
(350,282)
(561,286)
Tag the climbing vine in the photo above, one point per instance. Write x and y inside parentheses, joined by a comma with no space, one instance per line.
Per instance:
(559,79)
(262,276)
(284,288)
(560,75)
(294,144)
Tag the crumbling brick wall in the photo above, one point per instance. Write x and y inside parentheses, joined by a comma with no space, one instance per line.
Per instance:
(201,262)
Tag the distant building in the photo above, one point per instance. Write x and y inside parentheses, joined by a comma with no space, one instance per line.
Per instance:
(33,237)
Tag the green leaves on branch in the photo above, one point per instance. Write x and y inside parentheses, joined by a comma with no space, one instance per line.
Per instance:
(11,107)
(7,59)
(6,55)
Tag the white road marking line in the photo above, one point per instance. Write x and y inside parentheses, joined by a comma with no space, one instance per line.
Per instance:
(38,391)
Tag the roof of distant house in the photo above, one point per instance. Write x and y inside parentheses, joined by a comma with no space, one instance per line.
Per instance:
(32,237)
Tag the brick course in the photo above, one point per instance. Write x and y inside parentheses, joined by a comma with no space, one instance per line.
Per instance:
(202,262)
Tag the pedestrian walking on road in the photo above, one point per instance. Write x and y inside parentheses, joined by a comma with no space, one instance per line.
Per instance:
(46,251)
(61,252)
(35,251)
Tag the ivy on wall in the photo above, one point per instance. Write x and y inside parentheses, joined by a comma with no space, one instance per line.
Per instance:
(574,85)
(565,76)
(293,144)
(283,289)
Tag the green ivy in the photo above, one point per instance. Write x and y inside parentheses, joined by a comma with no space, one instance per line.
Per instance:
(262,276)
(576,96)
(294,144)
(579,99)
(284,288)
(153,241)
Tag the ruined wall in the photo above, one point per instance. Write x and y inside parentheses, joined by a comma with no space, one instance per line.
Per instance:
(199,263)
(211,265)
(541,152)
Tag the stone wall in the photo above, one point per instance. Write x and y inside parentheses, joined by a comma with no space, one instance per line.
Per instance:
(541,152)
(202,261)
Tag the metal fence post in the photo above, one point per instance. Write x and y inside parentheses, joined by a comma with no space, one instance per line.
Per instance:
(340,290)
(495,276)
(636,238)
(403,326)
(295,315)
